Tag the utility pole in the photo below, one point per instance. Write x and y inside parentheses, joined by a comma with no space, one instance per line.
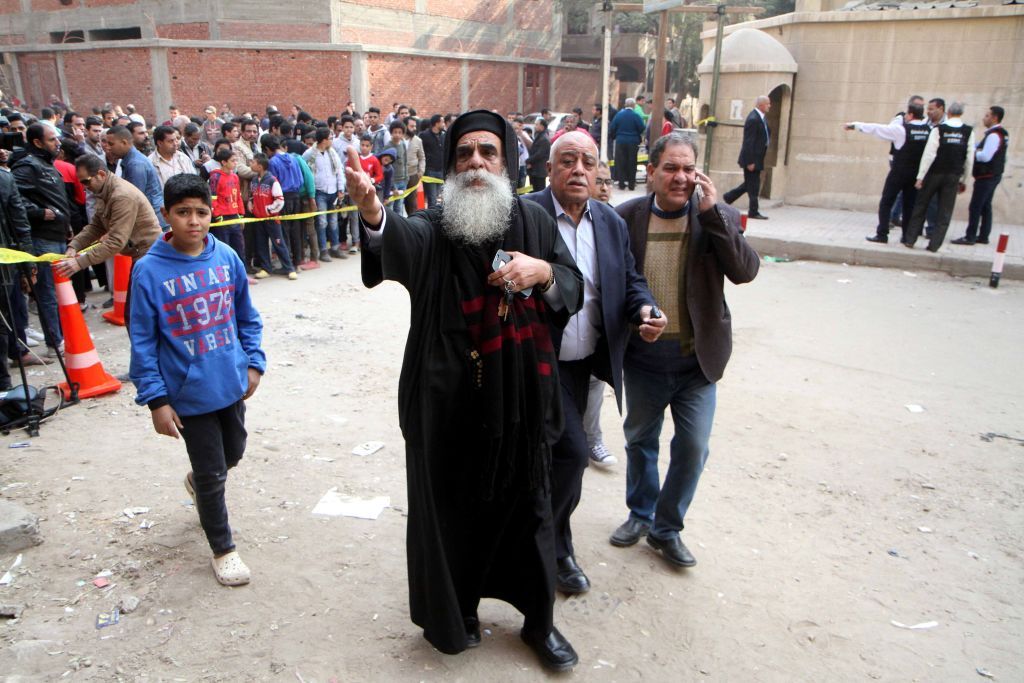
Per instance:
(606,67)
(664,7)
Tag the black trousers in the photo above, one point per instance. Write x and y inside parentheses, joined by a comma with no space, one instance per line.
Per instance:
(293,230)
(215,443)
(897,181)
(625,164)
(751,187)
(944,186)
(538,182)
(570,454)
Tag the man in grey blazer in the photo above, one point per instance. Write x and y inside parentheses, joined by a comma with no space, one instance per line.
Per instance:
(685,244)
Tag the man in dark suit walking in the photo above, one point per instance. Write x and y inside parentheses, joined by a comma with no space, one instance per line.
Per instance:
(684,245)
(615,298)
(756,136)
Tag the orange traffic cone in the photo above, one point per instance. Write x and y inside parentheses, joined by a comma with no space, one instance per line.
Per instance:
(421,198)
(83,363)
(122,272)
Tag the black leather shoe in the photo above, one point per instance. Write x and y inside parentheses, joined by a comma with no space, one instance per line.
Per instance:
(981,241)
(554,650)
(673,550)
(631,531)
(758,216)
(570,578)
(878,239)
(962,240)
(908,245)
(472,631)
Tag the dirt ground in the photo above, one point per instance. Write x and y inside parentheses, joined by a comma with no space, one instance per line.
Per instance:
(827,512)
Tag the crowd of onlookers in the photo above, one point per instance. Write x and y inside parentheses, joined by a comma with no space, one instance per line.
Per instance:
(260,166)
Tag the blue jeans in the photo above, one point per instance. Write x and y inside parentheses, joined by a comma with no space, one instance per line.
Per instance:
(692,401)
(431,190)
(399,206)
(326,225)
(46,294)
(980,210)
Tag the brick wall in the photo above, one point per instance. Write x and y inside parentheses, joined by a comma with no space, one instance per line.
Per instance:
(251,30)
(427,84)
(50,5)
(576,88)
(493,86)
(10,6)
(319,81)
(488,11)
(118,76)
(38,79)
(105,3)
(194,31)
(534,16)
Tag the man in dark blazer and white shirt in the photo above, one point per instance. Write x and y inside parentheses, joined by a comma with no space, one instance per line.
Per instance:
(685,245)
(756,136)
(615,300)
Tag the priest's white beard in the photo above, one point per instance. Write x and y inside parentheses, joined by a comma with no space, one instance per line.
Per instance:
(476,214)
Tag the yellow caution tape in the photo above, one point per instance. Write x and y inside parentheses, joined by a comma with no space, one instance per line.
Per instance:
(12,256)
(706,121)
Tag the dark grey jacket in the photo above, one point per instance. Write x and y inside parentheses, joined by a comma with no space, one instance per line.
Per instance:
(717,250)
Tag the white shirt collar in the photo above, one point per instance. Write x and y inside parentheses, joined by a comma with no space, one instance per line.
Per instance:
(559,211)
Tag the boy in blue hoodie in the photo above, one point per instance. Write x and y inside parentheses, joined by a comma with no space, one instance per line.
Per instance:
(196,355)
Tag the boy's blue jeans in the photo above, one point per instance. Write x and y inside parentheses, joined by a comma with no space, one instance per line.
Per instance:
(399,206)
(326,224)
(215,443)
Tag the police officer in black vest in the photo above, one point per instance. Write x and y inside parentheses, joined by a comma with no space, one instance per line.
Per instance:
(908,137)
(989,162)
(945,165)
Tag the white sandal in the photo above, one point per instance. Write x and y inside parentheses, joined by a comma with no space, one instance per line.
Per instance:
(230,570)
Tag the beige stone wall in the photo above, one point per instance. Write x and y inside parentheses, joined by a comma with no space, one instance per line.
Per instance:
(863,66)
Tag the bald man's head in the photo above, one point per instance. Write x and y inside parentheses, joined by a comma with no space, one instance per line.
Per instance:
(763,104)
(572,167)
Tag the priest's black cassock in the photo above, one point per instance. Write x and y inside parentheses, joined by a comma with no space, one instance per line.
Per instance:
(479,407)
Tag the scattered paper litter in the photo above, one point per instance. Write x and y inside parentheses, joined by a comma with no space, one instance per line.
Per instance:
(844,282)
(916,627)
(914,408)
(985,672)
(368,448)
(6,579)
(131,512)
(909,274)
(334,504)
(924,529)
(146,524)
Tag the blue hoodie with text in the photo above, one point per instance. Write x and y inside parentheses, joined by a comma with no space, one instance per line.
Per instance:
(194,332)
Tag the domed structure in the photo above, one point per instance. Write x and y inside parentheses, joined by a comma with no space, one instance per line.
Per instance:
(750,50)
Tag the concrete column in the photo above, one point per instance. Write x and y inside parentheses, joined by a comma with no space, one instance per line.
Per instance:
(215,14)
(465,85)
(360,80)
(521,71)
(62,81)
(552,95)
(421,6)
(161,78)
(12,59)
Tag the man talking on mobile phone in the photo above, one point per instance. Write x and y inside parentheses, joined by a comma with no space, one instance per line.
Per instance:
(685,243)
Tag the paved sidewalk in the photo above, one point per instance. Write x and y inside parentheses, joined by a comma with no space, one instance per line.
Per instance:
(803,232)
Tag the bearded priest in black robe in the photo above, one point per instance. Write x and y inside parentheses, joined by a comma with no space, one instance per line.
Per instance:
(478,398)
